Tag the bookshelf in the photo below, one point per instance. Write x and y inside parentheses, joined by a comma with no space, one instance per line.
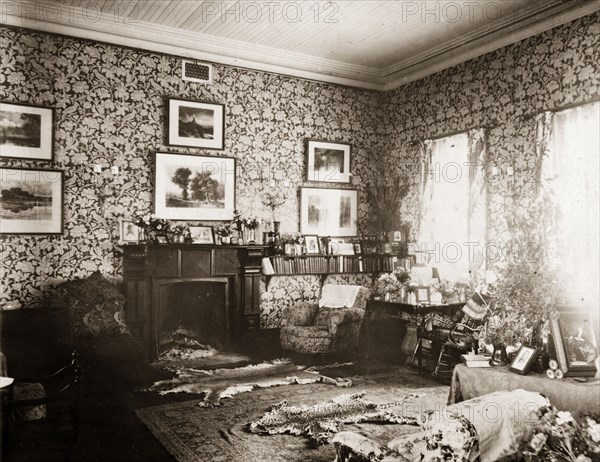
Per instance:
(323,265)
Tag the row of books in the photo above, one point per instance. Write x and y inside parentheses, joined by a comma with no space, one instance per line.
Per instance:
(323,264)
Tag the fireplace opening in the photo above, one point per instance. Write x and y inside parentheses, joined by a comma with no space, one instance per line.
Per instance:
(192,319)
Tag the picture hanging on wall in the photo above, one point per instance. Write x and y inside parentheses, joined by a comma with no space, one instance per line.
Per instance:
(26,131)
(328,211)
(328,162)
(32,201)
(196,124)
(189,187)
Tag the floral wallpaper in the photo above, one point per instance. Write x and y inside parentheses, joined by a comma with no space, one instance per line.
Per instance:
(501,91)
(110,110)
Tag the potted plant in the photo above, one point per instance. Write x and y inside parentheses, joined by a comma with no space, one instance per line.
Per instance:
(153,227)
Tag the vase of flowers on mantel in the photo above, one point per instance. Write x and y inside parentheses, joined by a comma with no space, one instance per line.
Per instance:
(224,234)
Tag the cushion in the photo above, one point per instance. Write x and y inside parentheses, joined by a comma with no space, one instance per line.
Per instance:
(95,306)
(93,290)
(28,412)
(338,296)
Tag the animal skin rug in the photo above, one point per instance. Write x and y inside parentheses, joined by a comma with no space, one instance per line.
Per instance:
(321,421)
(224,383)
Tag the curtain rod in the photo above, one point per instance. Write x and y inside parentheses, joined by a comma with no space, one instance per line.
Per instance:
(445,135)
(563,108)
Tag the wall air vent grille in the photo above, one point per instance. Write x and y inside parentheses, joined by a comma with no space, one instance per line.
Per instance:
(197,72)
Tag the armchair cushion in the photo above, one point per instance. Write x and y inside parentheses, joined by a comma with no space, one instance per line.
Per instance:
(332,318)
(95,305)
(302,314)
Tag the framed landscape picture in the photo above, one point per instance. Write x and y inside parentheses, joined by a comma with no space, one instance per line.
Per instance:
(328,162)
(31,201)
(202,234)
(197,124)
(26,131)
(328,211)
(189,187)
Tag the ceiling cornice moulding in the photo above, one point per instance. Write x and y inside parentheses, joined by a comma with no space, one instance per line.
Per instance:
(204,47)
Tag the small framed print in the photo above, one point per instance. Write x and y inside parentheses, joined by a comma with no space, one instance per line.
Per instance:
(129,232)
(162,239)
(202,234)
(196,123)
(27,131)
(328,211)
(524,359)
(328,162)
(422,294)
(32,201)
(312,244)
(357,248)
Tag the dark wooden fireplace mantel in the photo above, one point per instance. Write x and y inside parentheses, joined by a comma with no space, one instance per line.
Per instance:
(148,267)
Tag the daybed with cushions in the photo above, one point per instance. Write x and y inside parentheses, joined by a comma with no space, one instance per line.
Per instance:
(487,428)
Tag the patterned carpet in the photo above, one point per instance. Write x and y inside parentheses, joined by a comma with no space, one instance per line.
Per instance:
(192,433)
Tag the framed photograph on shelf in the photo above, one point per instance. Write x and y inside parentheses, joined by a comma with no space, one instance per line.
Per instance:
(202,234)
(422,294)
(313,246)
(189,187)
(575,342)
(328,211)
(129,232)
(524,359)
(196,123)
(328,162)
(27,131)
(32,201)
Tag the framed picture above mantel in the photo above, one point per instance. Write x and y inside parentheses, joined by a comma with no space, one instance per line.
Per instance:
(197,124)
(189,187)
(26,131)
(328,211)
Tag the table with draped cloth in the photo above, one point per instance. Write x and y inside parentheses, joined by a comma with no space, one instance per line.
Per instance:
(566,394)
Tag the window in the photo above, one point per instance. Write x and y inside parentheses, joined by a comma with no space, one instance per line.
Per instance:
(453,216)
(571,169)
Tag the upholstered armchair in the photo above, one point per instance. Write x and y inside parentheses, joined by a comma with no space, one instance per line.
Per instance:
(331,325)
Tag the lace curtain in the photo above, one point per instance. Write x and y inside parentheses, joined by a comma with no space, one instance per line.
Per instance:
(453,221)
(568,147)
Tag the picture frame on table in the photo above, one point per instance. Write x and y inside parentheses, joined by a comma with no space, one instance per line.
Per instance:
(524,359)
(196,188)
(129,232)
(328,211)
(162,239)
(422,294)
(575,341)
(312,244)
(328,162)
(27,131)
(202,234)
(32,201)
(196,123)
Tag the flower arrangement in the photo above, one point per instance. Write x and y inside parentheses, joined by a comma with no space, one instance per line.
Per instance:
(391,283)
(149,222)
(250,222)
(239,224)
(181,232)
(446,288)
(556,436)
(223,230)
